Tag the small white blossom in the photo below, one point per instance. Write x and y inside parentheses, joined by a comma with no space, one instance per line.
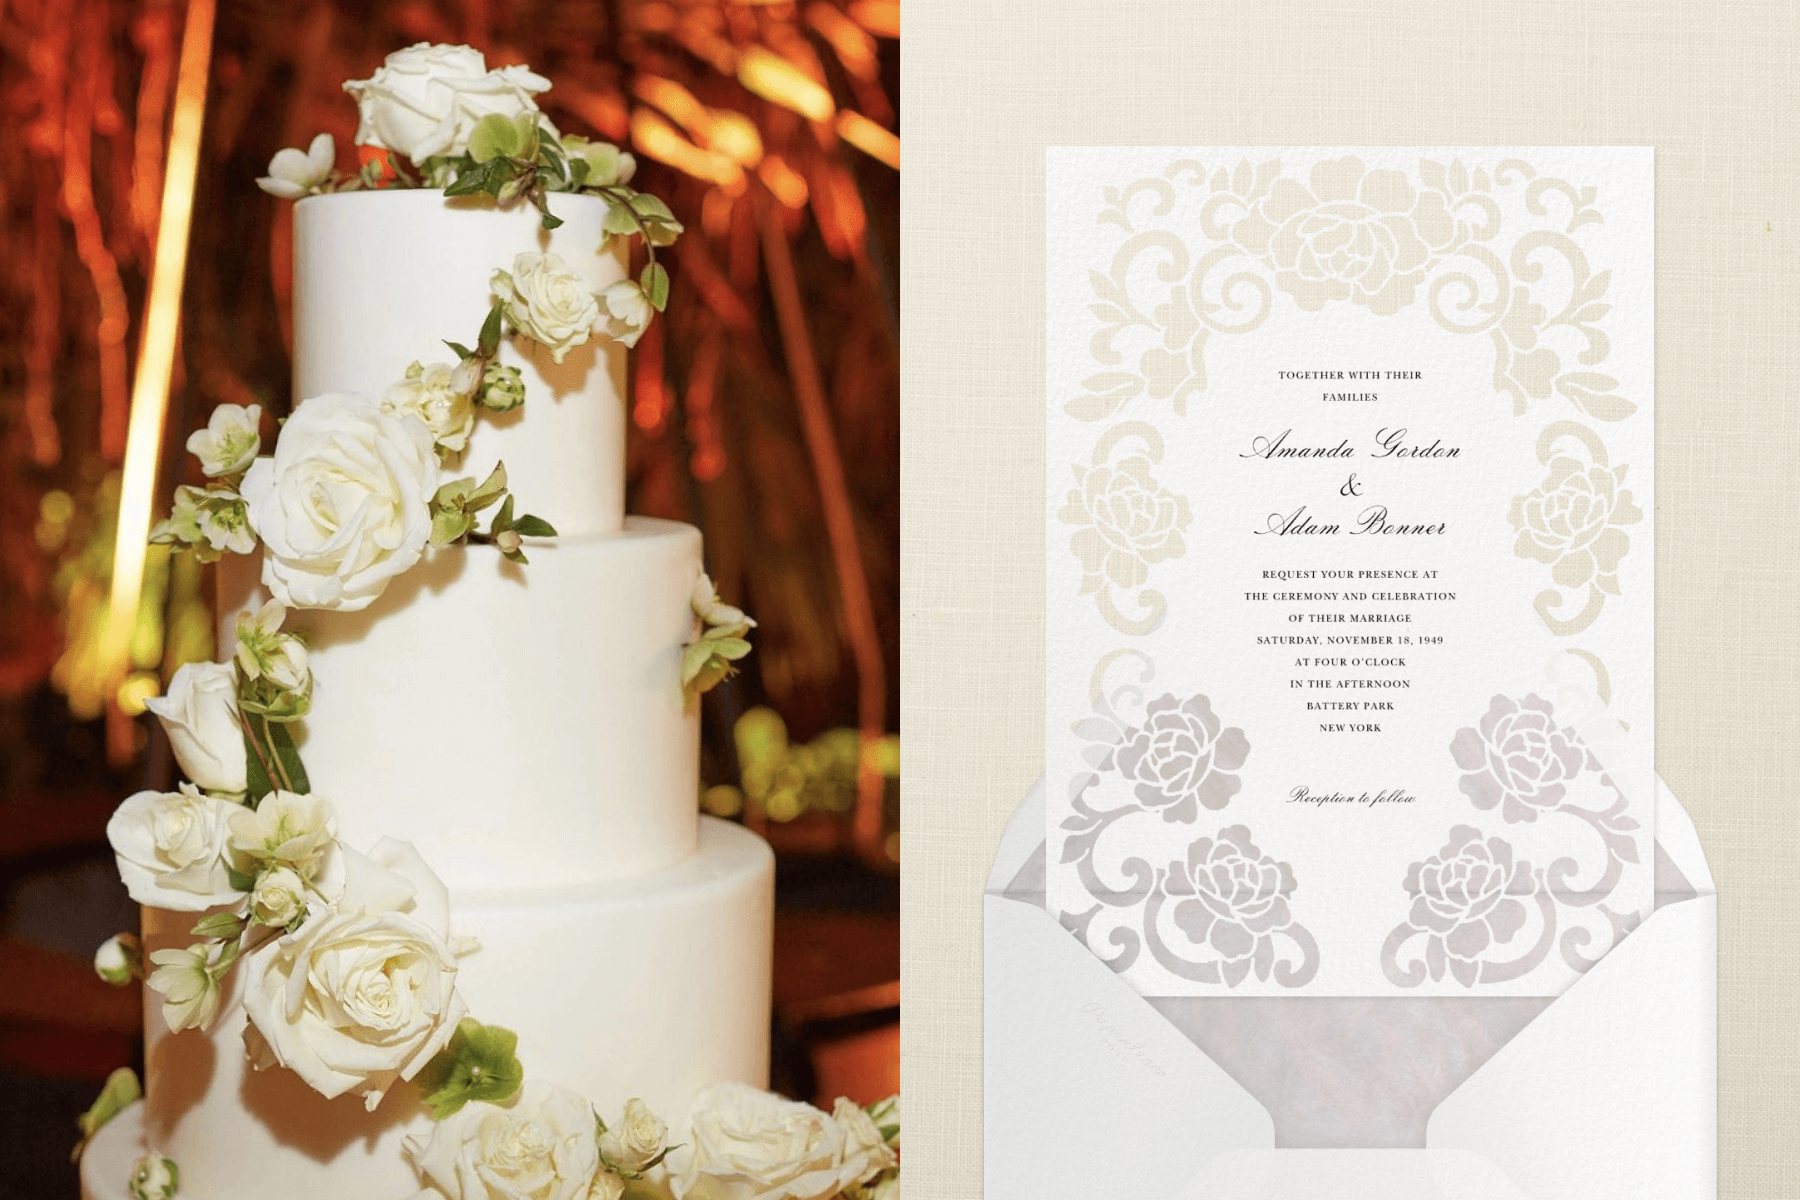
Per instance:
(635,1140)
(440,395)
(286,830)
(628,312)
(607,165)
(296,173)
(231,439)
(264,652)
(185,980)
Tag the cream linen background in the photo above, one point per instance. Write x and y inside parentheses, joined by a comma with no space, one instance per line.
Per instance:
(987,84)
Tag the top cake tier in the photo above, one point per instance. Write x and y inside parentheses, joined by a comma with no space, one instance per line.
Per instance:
(384,278)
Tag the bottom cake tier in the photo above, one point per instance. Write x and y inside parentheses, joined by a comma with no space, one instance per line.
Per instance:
(652,987)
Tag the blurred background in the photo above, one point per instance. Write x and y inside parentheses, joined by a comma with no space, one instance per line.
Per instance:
(763,406)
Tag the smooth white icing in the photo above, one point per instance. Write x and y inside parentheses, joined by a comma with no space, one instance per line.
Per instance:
(384,278)
(523,725)
(651,987)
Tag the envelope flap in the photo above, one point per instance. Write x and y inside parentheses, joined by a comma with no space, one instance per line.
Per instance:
(1024,833)
(1611,1091)
(1676,835)
(1081,1075)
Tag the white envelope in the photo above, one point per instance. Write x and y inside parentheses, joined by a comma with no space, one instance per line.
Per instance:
(1608,1092)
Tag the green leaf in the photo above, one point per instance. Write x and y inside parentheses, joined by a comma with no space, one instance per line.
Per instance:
(730,649)
(120,1091)
(619,222)
(489,342)
(530,526)
(491,489)
(495,136)
(242,881)
(651,209)
(256,780)
(462,351)
(480,1063)
(503,520)
(470,182)
(655,282)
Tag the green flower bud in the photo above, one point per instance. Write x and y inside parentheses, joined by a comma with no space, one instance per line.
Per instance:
(154,1178)
(502,388)
(120,959)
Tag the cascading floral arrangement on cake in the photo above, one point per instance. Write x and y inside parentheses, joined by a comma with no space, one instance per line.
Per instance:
(436,874)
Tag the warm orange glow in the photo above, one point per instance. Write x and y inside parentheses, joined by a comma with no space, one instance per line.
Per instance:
(879,17)
(779,81)
(788,186)
(675,100)
(735,136)
(870,138)
(660,140)
(855,48)
(156,358)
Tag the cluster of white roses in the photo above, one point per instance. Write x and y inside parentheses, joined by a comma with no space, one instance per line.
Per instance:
(741,1144)
(246,842)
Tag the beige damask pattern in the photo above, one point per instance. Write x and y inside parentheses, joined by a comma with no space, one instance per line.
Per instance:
(1126,522)
(1377,238)
(1573,522)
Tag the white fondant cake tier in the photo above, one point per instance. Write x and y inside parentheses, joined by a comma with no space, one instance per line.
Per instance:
(523,725)
(383,278)
(652,987)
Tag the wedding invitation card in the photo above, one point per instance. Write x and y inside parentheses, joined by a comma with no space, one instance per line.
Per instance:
(1349,565)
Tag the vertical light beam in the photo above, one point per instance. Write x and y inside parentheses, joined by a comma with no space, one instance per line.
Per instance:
(162,318)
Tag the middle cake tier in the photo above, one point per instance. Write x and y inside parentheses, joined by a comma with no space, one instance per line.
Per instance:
(524,725)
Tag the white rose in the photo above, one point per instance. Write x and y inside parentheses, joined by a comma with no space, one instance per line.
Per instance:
(170,847)
(606,1186)
(866,1152)
(200,715)
(279,897)
(547,302)
(230,440)
(440,395)
(635,1140)
(746,1144)
(425,100)
(294,173)
(537,1146)
(364,993)
(344,504)
(294,831)
(628,312)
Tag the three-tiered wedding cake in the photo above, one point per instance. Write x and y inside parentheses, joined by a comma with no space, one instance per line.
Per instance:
(509,749)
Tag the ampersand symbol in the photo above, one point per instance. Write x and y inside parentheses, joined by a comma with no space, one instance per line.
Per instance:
(1351,487)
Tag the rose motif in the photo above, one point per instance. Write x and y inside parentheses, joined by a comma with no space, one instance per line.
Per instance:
(364,992)
(1572,523)
(1232,897)
(1129,523)
(425,100)
(1465,899)
(1180,758)
(1355,234)
(1518,758)
(440,395)
(343,506)
(746,1144)
(538,1146)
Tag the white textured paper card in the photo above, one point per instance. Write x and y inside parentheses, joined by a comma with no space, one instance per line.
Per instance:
(1349,565)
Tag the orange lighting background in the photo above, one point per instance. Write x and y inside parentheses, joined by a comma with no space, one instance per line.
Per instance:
(145,280)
